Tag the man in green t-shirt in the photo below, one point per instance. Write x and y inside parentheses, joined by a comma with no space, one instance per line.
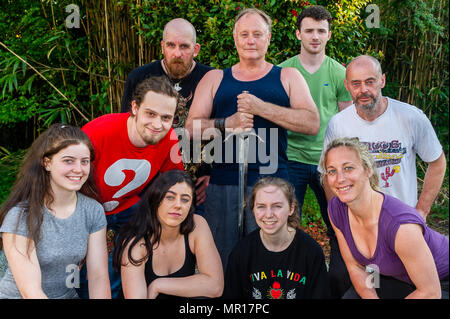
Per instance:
(325,78)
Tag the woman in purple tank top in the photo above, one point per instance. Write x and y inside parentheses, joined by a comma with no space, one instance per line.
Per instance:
(388,249)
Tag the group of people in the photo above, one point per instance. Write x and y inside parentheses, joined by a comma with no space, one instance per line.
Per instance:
(110,210)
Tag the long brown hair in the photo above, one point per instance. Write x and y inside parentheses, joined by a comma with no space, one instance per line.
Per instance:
(32,190)
(288,191)
(145,224)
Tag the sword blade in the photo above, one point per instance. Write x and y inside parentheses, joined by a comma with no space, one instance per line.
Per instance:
(243,141)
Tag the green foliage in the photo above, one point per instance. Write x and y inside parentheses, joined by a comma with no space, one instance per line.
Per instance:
(9,165)
(214,23)
(38,35)
(311,210)
(349,35)
(35,31)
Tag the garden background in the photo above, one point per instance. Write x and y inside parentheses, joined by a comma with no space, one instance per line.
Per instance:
(50,72)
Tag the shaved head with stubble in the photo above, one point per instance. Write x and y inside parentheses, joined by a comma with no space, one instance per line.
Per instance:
(364,80)
(179,47)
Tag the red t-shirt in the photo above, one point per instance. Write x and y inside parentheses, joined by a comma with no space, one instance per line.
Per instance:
(122,170)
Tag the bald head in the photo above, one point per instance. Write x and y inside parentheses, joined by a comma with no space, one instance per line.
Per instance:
(180,26)
(365,61)
(364,80)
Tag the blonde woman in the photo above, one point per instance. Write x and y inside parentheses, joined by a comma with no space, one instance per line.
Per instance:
(377,232)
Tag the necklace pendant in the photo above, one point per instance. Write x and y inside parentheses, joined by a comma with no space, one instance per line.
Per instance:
(177,87)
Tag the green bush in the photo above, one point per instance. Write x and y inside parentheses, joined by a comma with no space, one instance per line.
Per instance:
(9,165)
(214,23)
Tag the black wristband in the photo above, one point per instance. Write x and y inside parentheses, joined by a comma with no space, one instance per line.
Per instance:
(220,124)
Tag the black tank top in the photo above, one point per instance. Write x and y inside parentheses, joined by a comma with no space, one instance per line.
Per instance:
(188,268)
(274,137)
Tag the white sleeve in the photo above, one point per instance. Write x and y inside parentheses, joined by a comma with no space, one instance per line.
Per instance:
(427,144)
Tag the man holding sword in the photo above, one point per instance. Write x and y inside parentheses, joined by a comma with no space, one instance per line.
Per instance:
(253,97)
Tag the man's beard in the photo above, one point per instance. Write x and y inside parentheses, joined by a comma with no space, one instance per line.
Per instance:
(147,137)
(177,68)
(153,139)
(368,107)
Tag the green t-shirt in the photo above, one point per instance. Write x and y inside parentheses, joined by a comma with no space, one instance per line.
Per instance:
(327,89)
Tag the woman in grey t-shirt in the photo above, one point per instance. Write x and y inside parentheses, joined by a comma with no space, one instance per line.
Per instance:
(49,223)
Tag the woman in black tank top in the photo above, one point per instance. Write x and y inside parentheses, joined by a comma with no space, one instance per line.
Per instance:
(158,250)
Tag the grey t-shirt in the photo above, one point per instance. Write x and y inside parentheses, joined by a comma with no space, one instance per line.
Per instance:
(62,246)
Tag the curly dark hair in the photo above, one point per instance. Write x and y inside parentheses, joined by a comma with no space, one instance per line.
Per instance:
(318,13)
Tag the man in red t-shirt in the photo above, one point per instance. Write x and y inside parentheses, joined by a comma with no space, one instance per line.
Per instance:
(130,149)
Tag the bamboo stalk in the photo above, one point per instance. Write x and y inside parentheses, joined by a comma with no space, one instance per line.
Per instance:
(54,28)
(108,57)
(89,58)
(141,49)
(50,83)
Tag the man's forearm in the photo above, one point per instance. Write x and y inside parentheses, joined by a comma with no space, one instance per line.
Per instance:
(296,120)
(432,183)
(196,127)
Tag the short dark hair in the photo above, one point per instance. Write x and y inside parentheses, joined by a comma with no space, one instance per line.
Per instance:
(318,13)
(157,84)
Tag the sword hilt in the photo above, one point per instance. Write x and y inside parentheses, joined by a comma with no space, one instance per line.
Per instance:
(244,134)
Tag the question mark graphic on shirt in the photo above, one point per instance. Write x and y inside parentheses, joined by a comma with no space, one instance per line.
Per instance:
(114,176)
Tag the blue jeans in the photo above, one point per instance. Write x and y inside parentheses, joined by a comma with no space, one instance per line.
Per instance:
(221,213)
(300,176)
(114,222)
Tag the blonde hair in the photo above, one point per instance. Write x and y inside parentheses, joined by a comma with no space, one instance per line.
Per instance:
(361,150)
(261,13)
(288,191)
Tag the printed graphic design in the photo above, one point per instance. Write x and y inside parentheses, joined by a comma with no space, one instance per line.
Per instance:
(275,292)
(388,173)
(115,176)
(388,155)
(276,284)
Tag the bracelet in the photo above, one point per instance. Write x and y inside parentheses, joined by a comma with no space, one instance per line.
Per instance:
(220,125)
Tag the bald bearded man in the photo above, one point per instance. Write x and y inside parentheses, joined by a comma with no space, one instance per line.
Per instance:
(179,48)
